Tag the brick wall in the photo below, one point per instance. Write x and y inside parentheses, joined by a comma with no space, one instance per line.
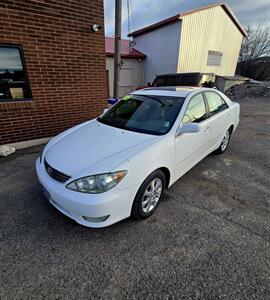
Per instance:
(65,62)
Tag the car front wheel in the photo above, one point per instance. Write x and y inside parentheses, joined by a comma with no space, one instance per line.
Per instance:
(148,196)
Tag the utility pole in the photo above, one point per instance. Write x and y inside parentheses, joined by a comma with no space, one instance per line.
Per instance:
(117,48)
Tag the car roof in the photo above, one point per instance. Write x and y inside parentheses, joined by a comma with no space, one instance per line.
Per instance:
(176,91)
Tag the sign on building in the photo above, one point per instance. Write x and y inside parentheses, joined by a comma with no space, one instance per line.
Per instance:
(214,58)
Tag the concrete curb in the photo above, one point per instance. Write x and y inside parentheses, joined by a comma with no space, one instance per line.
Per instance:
(27,144)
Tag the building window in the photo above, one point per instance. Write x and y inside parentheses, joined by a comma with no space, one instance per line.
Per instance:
(214,58)
(14,84)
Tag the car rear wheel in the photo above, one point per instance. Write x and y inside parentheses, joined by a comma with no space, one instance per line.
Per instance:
(225,142)
(148,196)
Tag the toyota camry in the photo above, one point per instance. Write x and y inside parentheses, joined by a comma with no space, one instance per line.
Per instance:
(119,164)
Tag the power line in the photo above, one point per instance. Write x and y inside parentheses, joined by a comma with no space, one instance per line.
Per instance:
(132,16)
(128,16)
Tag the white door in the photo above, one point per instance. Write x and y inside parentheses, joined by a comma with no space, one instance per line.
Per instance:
(219,114)
(126,85)
(190,148)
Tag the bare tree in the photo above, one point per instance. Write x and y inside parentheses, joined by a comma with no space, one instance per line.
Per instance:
(254,57)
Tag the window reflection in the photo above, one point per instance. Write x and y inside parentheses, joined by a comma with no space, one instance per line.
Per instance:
(13,80)
(196,111)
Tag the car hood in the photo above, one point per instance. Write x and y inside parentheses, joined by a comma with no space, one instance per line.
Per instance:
(93,147)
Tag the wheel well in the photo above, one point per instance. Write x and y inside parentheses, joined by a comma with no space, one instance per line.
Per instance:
(231,129)
(167,175)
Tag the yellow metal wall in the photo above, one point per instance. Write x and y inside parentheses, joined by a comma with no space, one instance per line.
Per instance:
(209,29)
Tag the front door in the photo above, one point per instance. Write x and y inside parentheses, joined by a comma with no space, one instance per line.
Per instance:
(190,148)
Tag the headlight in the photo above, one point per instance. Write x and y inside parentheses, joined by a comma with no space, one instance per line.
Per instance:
(97,184)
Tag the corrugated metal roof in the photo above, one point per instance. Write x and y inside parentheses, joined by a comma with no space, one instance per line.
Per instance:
(126,50)
(180,15)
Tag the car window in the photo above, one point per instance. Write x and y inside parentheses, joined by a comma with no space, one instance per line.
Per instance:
(196,111)
(144,113)
(215,103)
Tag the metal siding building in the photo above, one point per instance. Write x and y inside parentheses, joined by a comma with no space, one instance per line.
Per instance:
(205,40)
(209,30)
(161,47)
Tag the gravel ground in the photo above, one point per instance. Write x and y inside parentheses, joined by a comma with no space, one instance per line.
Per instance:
(209,239)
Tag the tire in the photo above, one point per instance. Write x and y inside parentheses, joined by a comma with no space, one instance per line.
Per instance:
(225,142)
(151,190)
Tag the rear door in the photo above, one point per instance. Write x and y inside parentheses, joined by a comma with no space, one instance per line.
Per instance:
(219,115)
(190,148)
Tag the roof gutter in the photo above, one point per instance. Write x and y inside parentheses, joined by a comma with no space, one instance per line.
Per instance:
(155,26)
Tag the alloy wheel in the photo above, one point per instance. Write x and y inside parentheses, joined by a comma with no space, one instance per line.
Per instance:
(225,140)
(152,195)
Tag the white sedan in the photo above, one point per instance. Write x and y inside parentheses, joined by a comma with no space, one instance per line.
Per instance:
(118,165)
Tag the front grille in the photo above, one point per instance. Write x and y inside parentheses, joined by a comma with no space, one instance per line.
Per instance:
(55,174)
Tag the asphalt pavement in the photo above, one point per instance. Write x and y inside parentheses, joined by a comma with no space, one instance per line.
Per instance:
(209,238)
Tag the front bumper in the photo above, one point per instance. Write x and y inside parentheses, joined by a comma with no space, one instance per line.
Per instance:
(115,203)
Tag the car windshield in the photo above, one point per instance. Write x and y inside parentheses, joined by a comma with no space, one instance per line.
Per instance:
(144,113)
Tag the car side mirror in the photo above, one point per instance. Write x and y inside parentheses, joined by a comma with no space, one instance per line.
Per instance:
(105,110)
(188,128)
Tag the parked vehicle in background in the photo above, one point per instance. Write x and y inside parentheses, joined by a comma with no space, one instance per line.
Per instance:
(194,79)
(178,79)
(106,169)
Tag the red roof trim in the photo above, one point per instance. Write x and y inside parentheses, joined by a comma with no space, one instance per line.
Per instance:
(180,15)
(126,50)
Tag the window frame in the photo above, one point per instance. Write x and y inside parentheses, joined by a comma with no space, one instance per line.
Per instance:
(207,104)
(27,82)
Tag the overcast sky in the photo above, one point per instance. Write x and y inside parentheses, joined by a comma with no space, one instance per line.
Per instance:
(146,12)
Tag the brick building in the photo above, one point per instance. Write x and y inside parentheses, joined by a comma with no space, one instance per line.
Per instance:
(52,66)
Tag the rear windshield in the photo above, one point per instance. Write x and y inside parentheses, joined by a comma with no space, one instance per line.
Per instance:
(144,113)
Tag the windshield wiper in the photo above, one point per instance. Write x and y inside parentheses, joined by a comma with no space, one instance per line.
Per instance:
(154,98)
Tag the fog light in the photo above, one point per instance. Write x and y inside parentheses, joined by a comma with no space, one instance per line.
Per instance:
(96,220)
